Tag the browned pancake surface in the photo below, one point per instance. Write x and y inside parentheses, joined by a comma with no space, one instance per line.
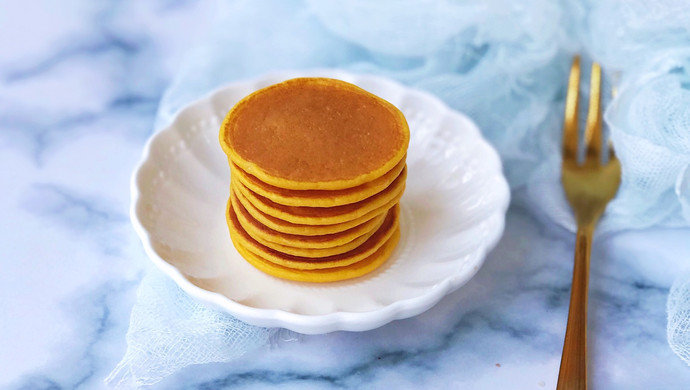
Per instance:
(394,189)
(309,130)
(322,241)
(350,257)
(317,198)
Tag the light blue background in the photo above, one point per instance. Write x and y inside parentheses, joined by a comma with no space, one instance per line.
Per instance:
(80,84)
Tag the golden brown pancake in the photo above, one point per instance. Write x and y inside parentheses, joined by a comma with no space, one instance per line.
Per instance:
(312,253)
(314,133)
(317,198)
(302,229)
(371,246)
(267,236)
(318,252)
(309,252)
(324,215)
(326,275)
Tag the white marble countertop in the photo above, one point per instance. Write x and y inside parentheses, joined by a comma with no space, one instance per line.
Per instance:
(79,86)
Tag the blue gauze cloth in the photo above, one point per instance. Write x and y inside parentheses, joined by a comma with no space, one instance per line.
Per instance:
(502,62)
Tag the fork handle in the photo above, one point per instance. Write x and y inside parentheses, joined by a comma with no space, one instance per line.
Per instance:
(573,372)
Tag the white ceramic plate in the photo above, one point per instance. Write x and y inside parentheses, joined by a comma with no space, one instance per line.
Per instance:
(453,212)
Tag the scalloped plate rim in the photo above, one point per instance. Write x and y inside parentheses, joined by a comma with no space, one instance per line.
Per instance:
(323,323)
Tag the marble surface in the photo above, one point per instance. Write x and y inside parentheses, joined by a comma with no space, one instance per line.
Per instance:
(79,86)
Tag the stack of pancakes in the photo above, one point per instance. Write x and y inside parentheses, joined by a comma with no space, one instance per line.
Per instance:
(318,168)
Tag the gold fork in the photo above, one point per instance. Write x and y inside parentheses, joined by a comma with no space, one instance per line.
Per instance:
(588,186)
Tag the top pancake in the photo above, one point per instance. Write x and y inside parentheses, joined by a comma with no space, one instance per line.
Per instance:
(315,133)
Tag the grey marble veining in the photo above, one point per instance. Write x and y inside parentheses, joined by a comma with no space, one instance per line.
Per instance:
(79,86)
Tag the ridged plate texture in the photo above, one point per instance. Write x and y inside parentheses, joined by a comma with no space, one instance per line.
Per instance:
(453,212)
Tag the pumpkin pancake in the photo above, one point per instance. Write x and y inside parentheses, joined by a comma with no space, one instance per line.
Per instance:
(371,246)
(315,253)
(324,215)
(302,229)
(314,134)
(326,275)
(317,198)
(268,236)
